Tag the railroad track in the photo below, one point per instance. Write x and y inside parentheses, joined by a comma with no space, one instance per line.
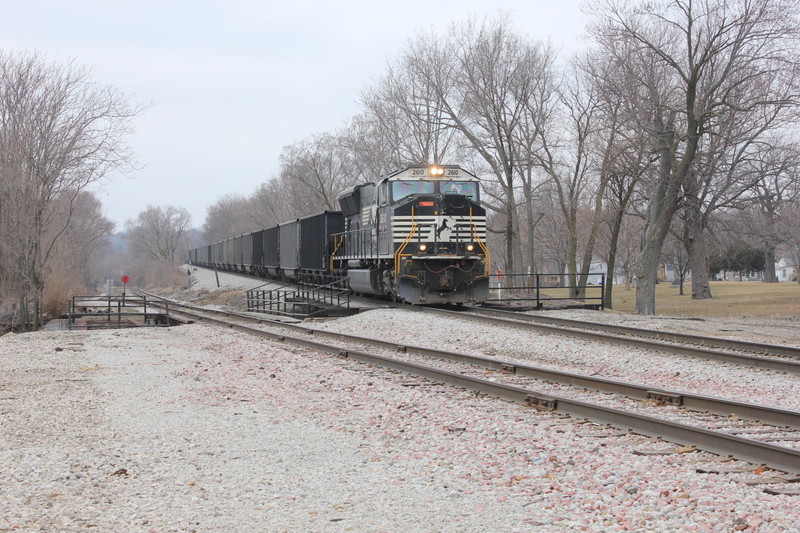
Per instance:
(722,426)
(757,355)
(716,343)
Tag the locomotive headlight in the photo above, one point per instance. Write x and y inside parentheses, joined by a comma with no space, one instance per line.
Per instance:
(423,247)
(437,171)
(470,247)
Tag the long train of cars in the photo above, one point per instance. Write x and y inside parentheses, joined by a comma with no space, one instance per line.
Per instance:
(416,235)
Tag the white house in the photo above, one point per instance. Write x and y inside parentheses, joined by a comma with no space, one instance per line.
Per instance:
(785,270)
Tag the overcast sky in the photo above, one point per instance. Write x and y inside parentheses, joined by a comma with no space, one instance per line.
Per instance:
(232,83)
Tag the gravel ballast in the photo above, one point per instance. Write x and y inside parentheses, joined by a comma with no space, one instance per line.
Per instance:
(198,429)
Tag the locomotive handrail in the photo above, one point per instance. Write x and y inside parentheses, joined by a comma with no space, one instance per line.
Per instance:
(357,238)
(337,243)
(402,247)
(488,263)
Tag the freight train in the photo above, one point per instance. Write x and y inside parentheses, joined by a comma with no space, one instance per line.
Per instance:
(417,235)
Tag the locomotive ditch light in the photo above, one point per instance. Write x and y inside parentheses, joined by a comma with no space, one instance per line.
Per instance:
(470,247)
(423,247)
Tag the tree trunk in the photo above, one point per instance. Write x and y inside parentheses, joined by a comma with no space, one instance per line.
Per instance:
(650,259)
(646,292)
(653,241)
(37,311)
(694,239)
(646,284)
(23,312)
(510,238)
(572,267)
(698,264)
(769,265)
(37,286)
(623,198)
(531,228)
(611,265)
(663,206)
(588,252)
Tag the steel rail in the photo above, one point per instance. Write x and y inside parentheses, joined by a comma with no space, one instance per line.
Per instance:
(691,401)
(781,365)
(670,336)
(758,452)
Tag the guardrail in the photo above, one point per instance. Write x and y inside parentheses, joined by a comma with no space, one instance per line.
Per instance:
(542,288)
(304,302)
(95,312)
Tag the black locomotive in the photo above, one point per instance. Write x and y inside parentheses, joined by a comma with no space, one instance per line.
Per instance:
(416,235)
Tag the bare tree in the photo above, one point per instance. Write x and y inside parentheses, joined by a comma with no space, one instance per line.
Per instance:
(71,269)
(620,152)
(158,234)
(791,247)
(688,62)
(539,125)
(674,253)
(723,173)
(579,178)
(271,203)
(59,133)
(627,247)
(230,215)
(482,78)
(408,122)
(316,170)
(551,239)
(372,141)
(773,195)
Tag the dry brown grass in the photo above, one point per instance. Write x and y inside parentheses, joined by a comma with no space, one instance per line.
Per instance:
(58,291)
(731,299)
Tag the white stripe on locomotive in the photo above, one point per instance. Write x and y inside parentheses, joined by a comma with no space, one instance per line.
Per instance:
(441,228)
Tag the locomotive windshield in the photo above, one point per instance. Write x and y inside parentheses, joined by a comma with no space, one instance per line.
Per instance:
(402,189)
(466,188)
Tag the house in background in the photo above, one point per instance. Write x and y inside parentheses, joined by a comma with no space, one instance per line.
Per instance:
(667,272)
(785,270)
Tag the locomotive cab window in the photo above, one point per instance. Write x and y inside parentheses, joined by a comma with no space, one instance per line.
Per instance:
(383,195)
(401,189)
(465,188)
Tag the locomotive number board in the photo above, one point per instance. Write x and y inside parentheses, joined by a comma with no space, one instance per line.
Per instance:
(426,173)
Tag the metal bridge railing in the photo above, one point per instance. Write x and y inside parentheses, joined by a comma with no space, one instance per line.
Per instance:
(541,288)
(94,312)
(308,300)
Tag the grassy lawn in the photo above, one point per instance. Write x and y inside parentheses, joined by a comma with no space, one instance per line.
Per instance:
(731,299)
